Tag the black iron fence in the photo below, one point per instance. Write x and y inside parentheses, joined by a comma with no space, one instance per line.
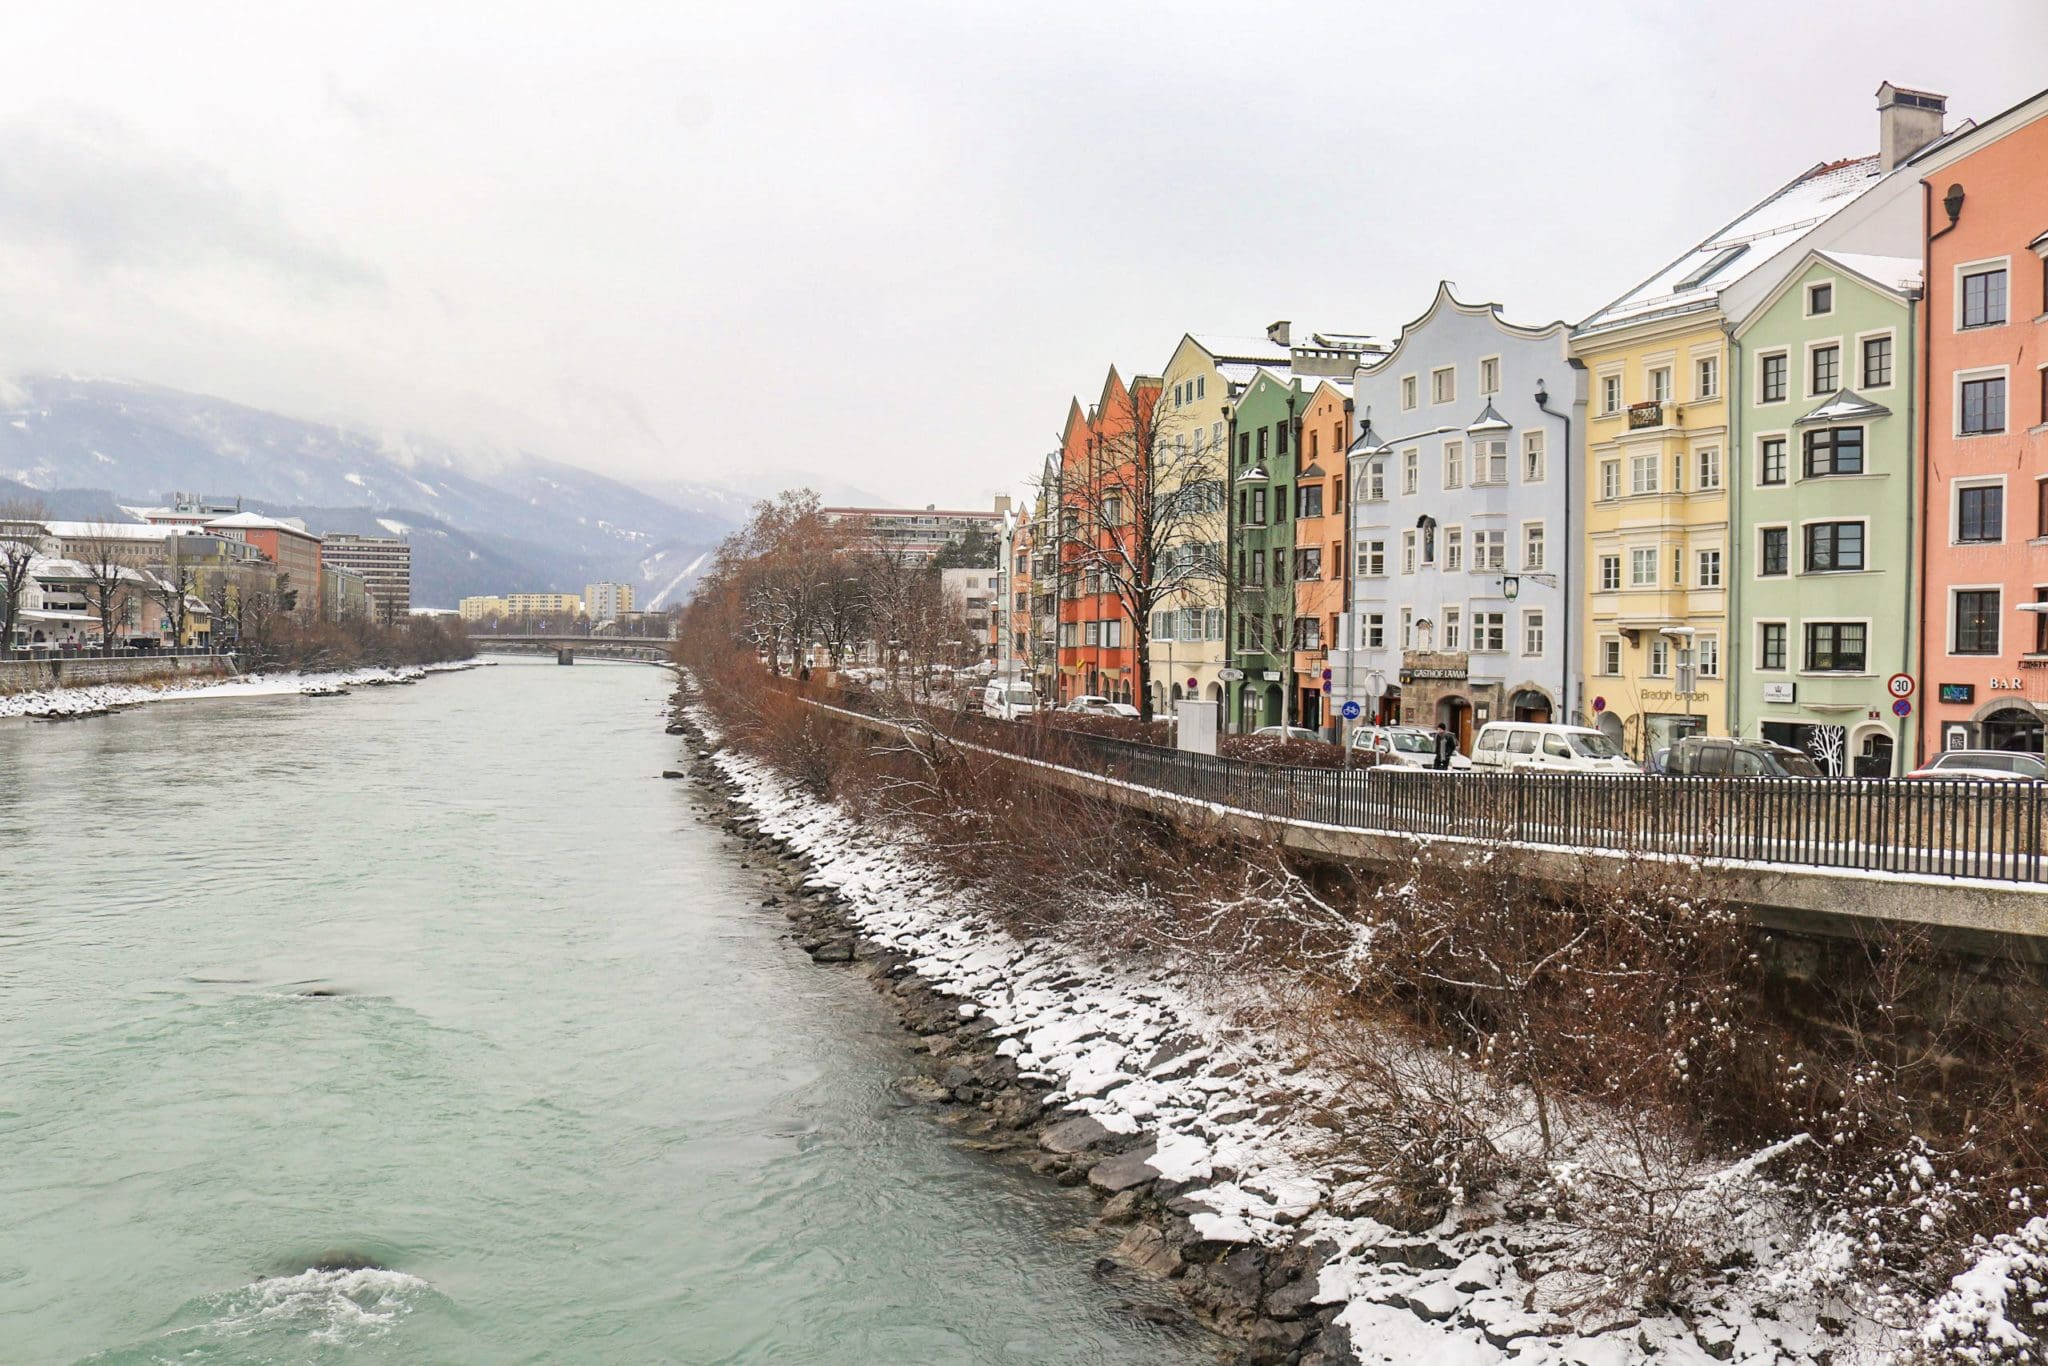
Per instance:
(1948,827)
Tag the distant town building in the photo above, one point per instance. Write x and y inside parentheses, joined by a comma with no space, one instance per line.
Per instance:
(480,608)
(386,566)
(974,591)
(917,534)
(564,608)
(295,550)
(657,625)
(345,595)
(605,601)
(189,509)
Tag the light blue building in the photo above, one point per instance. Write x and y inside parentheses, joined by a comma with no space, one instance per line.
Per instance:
(1465,564)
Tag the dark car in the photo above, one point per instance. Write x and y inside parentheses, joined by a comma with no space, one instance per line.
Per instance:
(1704,756)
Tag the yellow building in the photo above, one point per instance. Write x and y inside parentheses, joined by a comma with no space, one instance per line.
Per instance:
(1659,562)
(480,608)
(607,601)
(566,606)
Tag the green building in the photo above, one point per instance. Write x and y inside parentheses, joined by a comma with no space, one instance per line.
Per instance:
(1824,552)
(1261,588)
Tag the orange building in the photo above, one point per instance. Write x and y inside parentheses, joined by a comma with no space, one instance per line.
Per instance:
(1984,377)
(1099,541)
(291,547)
(1320,441)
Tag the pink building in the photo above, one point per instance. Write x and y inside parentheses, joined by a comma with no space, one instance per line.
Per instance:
(1984,386)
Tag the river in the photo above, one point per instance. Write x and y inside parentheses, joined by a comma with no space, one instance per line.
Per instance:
(444,990)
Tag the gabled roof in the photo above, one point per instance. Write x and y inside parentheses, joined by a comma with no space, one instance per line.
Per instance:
(1845,406)
(1695,279)
(1898,276)
(1901,275)
(1256,350)
(1445,299)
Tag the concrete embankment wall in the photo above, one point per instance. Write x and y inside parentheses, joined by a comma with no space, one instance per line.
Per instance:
(81,671)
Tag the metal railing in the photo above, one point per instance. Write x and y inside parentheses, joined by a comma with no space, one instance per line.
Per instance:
(1948,827)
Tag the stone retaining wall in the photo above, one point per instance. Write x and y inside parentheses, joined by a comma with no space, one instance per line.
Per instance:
(80,671)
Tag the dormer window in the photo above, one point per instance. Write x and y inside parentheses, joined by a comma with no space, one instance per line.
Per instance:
(1820,300)
(1706,272)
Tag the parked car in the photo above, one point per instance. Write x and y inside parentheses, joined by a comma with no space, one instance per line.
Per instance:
(1286,733)
(1715,756)
(1008,700)
(1090,704)
(1995,765)
(1535,744)
(1403,746)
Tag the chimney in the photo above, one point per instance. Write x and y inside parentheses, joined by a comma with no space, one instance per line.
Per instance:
(1907,120)
(1279,332)
(1002,503)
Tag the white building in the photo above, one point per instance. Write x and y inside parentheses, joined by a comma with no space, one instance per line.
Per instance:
(603,602)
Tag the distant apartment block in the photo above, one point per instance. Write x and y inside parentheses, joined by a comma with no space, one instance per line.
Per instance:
(604,602)
(566,607)
(481,608)
(917,534)
(386,566)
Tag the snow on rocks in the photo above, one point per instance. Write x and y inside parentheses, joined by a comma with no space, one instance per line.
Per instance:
(100,699)
(1225,1140)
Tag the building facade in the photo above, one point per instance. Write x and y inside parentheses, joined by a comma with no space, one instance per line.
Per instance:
(1099,539)
(482,607)
(557,610)
(1320,442)
(385,564)
(1984,387)
(1465,540)
(292,548)
(1821,571)
(604,602)
(1262,550)
(915,534)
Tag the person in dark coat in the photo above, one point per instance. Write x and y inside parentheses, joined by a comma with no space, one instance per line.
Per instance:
(1446,746)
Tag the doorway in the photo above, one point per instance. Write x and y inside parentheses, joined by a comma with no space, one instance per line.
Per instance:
(1455,715)
(2013,728)
(1528,704)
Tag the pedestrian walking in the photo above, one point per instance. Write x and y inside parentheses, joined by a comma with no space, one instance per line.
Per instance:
(1446,746)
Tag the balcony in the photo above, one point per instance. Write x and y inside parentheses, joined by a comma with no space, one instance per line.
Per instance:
(1645,415)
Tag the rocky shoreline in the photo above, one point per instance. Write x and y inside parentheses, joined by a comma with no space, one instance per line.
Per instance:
(1260,1297)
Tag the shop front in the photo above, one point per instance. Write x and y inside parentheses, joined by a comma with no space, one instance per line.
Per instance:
(1437,689)
(1999,712)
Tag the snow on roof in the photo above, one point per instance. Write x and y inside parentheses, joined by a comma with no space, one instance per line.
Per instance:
(109,531)
(1489,421)
(1696,278)
(1901,273)
(1240,374)
(1844,407)
(1253,349)
(256,521)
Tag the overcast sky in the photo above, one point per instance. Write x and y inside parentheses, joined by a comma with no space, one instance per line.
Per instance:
(875,244)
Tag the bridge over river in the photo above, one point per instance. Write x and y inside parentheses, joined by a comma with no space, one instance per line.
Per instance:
(566,649)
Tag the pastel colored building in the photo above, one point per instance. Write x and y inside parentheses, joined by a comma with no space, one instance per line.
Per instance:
(1822,578)
(1320,441)
(1464,544)
(1098,472)
(482,607)
(292,548)
(1984,388)
(1261,551)
(607,601)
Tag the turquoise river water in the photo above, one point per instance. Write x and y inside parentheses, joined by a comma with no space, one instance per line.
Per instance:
(430,1025)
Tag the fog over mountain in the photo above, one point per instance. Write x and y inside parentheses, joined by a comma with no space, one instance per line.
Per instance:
(480,522)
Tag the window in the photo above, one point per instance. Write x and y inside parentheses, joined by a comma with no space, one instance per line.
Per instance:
(1709,569)
(1443,385)
(2041,621)
(1774,552)
(1642,473)
(1375,630)
(1454,619)
(1610,393)
(1678,474)
(1826,370)
(1707,655)
(1411,470)
(1610,573)
(1308,500)
(1833,546)
(1407,392)
(1454,548)
(1488,549)
(1610,479)
(1489,375)
(1835,646)
(1407,628)
(1975,614)
(1642,568)
(1610,656)
(1490,462)
(1092,633)
(1984,298)
(1258,507)
(1771,467)
(1308,633)
(1454,464)
(1279,564)
(1820,299)
(1112,633)
(1660,384)
(1490,632)
(1408,552)
(1376,482)
(1678,566)
(1308,562)
(1265,436)
(1980,514)
(1112,511)
(1877,362)
(1772,387)
(1834,450)
(1770,653)
(1532,633)
(1532,547)
(1201,385)
(1244,448)
(1983,405)
(1372,560)
(1532,457)
(2041,508)
(1710,468)
(1706,377)
(1660,657)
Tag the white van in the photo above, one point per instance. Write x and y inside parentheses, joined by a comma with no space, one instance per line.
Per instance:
(1403,746)
(1008,699)
(1564,749)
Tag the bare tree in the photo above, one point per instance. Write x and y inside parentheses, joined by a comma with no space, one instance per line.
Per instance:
(1142,514)
(171,585)
(20,525)
(111,579)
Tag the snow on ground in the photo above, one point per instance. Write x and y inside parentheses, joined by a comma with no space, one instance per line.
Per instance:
(102,697)
(1146,1049)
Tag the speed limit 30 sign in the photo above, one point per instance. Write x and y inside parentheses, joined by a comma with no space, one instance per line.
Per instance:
(1899,685)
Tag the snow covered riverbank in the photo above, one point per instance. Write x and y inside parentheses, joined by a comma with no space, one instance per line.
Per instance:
(100,699)
(1235,1142)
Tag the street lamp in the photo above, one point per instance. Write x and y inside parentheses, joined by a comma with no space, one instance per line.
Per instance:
(1683,636)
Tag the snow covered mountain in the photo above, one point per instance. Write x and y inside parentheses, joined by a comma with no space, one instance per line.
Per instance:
(511,524)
